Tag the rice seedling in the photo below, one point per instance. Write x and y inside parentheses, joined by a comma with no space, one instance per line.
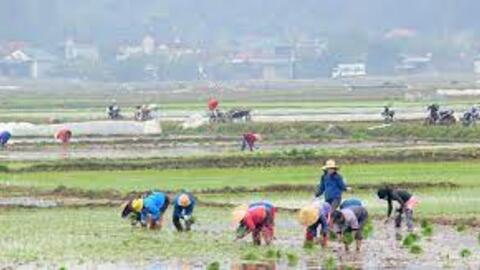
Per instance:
(464,253)
(330,263)
(410,239)
(415,249)
(292,259)
(213,266)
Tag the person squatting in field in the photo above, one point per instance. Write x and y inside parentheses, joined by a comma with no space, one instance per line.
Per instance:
(249,139)
(4,137)
(350,221)
(331,184)
(148,209)
(406,201)
(257,218)
(183,205)
(314,216)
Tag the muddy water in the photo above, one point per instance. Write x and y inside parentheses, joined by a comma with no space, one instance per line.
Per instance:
(18,152)
(27,202)
(381,250)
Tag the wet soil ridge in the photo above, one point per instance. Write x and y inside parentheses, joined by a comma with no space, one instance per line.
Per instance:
(33,203)
(302,188)
(111,194)
(276,159)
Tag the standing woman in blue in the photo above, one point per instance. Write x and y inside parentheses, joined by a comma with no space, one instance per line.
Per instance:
(331,184)
(4,137)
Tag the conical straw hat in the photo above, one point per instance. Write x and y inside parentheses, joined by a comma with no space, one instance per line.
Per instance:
(239,213)
(308,215)
(330,164)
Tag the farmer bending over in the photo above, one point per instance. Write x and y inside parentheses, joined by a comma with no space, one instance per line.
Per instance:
(258,219)
(350,202)
(148,210)
(183,205)
(314,216)
(4,137)
(331,184)
(63,135)
(406,201)
(350,220)
(249,139)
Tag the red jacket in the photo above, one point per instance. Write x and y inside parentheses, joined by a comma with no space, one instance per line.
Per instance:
(63,135)
(212,104)
(257,215)
(250,137)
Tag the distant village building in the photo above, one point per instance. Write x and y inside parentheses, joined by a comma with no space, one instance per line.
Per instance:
(349,70)
(264,67)
(148,45)
(415,64)
(76,51)
(400,33)
(27,63)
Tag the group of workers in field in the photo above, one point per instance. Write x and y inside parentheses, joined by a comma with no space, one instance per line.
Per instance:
(149,208)
(63,136)
(258,218)
(347,216)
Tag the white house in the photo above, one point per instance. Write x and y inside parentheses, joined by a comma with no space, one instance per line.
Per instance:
(349,70)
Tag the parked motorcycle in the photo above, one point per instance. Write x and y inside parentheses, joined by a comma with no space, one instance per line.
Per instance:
(388,114)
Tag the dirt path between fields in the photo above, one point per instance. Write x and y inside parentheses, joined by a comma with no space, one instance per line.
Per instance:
(141,149)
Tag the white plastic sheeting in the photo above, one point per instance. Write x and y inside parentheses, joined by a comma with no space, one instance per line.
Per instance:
(85,128)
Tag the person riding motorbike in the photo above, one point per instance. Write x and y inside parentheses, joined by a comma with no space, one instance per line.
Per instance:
(434,114)
(113,111)
(388,114)
(142,113)
(437,116)
(470,117)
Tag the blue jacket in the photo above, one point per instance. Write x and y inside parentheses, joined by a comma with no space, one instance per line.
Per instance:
(154,205)
(332,185)
(4,137)
(350,202)
(268,205)
(323,212)
(179,211)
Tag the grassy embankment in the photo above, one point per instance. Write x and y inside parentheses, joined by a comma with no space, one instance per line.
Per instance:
(445,188)
(357,131)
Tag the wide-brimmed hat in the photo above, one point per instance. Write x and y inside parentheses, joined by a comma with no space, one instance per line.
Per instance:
(239,213)
(330,164)
(308,215)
